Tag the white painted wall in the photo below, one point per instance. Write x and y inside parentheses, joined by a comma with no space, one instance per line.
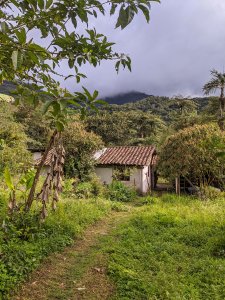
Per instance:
(45,169)
(135,179)
(37,155)
(138,178)
(105,174)
(145,180)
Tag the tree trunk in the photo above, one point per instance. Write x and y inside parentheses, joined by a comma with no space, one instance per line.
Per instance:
(38,172)
(222,108)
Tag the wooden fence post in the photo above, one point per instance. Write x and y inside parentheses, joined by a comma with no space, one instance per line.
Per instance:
(178,186)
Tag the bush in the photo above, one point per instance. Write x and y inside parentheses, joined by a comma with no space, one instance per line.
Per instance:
(194,153)
(117,191)
(210,192)
(69,187)
(92,188)
(98,189)
(83,190)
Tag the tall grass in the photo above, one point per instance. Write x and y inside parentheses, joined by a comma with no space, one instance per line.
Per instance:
(173,248)
(24,243)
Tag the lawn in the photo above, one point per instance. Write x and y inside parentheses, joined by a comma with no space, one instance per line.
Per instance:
(171,248)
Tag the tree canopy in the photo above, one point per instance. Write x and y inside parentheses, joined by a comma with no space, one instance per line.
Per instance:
(126,128)
(80,146)
(193,153)
(217,82)
(13,142)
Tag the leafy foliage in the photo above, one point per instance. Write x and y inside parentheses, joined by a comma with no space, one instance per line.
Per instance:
(217,83)
(36,126)
(191,153)
(125,128)
(80,146)
(117,191)
(13,142)
(39,63)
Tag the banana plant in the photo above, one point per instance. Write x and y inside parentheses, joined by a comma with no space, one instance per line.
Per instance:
(23,185)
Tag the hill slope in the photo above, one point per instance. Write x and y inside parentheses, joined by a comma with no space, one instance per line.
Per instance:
(126,98)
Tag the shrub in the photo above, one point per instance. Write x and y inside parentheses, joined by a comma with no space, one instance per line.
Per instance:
(83,190)
(92,188)
(97,187)
(117,191)
(193,153)
(79,146)
(69,187)
(210,192)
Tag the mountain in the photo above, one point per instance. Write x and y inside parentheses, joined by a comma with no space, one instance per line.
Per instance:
(124,98)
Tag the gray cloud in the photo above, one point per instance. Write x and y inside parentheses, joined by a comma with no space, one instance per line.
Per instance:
(173,54)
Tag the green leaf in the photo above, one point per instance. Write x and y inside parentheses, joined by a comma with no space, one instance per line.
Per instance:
(4,26)
(103,102)
(56,107)
(46,106)
(87,93)
(113,9)
(21,36)
(95,95)
(59,126)
(130,14)
(8,179)
(41,4)
(117,66)
(122,19)
(49,3)
(15,59)
(145,11)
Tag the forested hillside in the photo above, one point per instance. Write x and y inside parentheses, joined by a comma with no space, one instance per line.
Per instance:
(125,97)
(151,119)
(157,104)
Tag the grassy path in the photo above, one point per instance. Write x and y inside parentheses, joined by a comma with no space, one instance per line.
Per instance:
(79,271)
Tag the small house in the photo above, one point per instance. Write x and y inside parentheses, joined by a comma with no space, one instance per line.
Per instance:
(37,156)
(132,165)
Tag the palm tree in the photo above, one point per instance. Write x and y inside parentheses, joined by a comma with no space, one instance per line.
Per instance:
(217,82)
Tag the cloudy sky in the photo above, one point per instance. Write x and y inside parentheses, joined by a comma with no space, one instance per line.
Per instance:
(173,54)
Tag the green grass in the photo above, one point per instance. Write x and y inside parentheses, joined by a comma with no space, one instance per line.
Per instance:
(23,244)
(172,248)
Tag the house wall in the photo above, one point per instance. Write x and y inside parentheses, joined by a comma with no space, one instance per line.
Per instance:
(105,174)
(45,169)
(137,178)
(37,155)
(145,180)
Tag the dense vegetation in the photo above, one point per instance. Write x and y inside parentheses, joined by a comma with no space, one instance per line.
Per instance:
(192,227)
(24,242)
(193,153)
(185,235)
(171,249)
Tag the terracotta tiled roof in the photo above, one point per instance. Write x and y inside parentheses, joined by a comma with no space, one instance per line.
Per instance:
(127,155)
(48,159)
